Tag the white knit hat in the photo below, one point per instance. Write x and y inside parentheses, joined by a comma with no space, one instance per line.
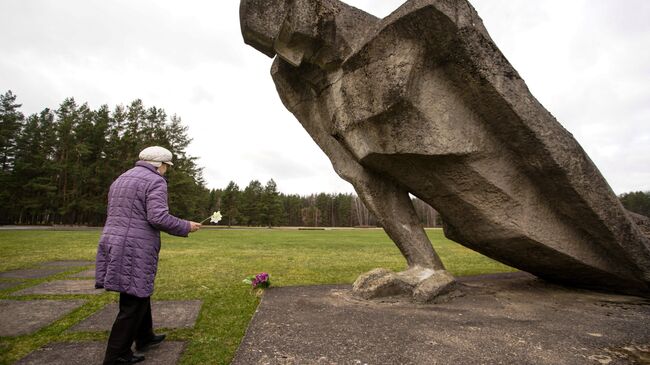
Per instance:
(156,156)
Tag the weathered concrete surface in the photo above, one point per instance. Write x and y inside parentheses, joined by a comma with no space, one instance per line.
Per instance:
(61,287)
(90,273)
(19,317)
(166,314)
(35,273)
(500,319)
(9,284)
(68,263)
(85,353)
(423,102)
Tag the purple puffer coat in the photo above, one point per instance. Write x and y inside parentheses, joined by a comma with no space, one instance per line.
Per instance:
(127,256)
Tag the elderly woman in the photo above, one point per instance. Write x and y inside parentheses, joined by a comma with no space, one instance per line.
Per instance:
(127,256)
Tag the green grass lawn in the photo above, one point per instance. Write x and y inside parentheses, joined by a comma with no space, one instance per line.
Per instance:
(210,266)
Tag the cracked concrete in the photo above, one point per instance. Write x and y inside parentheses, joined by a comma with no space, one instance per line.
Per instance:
(499,319)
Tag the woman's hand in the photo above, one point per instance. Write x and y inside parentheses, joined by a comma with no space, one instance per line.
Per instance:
(194,226)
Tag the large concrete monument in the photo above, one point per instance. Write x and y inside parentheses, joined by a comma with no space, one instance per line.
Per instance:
(423,102)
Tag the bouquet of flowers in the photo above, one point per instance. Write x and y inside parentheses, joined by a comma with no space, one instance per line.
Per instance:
(259,281)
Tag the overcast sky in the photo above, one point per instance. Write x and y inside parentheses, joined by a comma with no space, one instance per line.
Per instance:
(587,62)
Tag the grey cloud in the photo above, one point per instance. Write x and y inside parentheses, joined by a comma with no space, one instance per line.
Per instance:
(201,95)
(124,31)
(282,164)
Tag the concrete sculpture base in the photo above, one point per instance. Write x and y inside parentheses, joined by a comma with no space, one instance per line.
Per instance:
(499,319)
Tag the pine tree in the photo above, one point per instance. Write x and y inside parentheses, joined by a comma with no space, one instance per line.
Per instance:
(230,203)
(33,169)
(96,171)
(311,215)
(291,206)
(81,165)
(214,203)
(324,206)
(119,149)
(250,203)
(177,137)
(341,208)
(11,122)
(67,119)
(47,174)
(271,205)
(133,135)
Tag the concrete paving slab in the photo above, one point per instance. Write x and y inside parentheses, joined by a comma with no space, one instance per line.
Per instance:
(90,273)
(34,273)
(166,314)
(84,353)
(68,263)
(509,319)
(61,287)
(9,284)
(19,317)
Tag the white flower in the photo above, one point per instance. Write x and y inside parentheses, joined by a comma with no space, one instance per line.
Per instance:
(216,217)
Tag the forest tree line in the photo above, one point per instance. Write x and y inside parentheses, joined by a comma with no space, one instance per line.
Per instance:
(56,167)
(262,205)
(637,202)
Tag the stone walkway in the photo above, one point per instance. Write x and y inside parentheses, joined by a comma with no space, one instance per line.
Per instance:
(86,353)
(45,269)
(166,314)
(69,263)
(90,273)
(24,317)
(20,317)
(9,284)
(34,273)
(61,287)
(499,319)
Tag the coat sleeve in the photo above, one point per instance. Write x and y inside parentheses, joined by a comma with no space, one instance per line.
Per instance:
(100,265)
(158,211)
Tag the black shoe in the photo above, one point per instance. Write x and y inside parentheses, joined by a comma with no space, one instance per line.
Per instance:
(129,360)
(155,340)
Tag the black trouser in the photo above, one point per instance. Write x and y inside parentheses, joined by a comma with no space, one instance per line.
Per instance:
(133,323)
